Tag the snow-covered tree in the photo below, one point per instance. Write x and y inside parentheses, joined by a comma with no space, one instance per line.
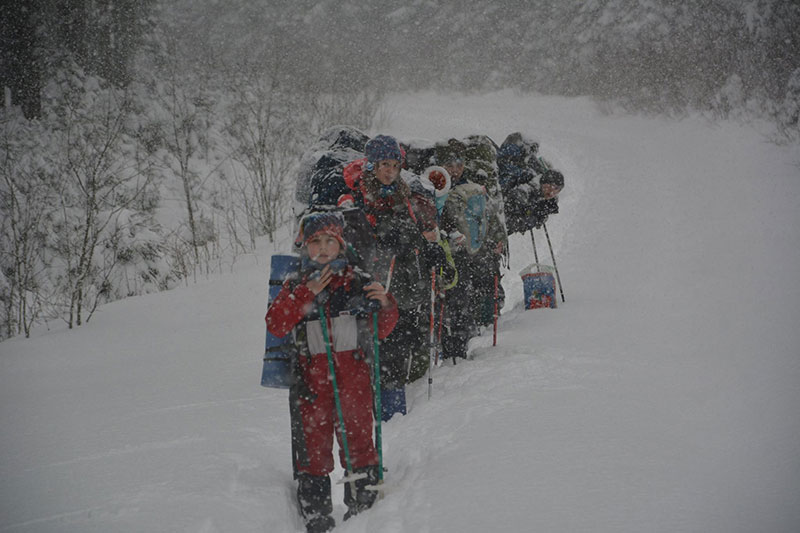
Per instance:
(100,173)
(26,202)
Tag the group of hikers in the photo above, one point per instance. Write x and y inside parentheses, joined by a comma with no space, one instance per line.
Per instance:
(402,247)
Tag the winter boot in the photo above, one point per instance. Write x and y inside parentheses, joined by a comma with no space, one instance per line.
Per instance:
(314,499)
(454,347)
(365,491)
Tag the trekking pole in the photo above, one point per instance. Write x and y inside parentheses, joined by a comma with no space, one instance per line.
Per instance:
(342,430)
(555,267)
(432,353)
(408,367)
(376,392)
(494,336)
(389,276)
(441,321)
(535,254)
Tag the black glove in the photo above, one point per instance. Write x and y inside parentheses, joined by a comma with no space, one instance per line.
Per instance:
(546,207)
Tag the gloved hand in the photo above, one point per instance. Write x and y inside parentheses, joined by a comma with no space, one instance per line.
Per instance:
(547,207)
(448,274)
(457,240)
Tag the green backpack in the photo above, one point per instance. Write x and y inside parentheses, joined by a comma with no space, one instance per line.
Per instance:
(467,208)
(480,162)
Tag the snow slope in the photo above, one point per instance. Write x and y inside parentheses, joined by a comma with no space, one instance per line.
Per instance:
(661,397)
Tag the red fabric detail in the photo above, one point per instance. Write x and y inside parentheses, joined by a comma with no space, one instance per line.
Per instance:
(346,200)
(411,211)
(388,317)
(288,309)
(353,172)
(320,417)
(437,179)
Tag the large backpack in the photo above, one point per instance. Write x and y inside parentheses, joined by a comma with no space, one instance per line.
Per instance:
(480,162)
(420,154)
(319,179)
(522,170)
(320,183)
(467,209)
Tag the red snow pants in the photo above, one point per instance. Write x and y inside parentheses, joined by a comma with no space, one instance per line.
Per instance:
(320,417)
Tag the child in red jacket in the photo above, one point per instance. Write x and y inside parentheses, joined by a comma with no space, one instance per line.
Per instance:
(329,289)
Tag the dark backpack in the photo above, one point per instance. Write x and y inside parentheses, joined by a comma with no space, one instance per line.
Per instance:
(522,171)
(319,179)
(420,155)
(320,183)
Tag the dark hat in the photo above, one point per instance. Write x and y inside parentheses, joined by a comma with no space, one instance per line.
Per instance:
(383,147)
(553,177)
(510,152)
(330,223)
(517,147)
(452,150)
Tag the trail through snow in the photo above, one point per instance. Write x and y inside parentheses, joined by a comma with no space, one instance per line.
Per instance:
(661,397)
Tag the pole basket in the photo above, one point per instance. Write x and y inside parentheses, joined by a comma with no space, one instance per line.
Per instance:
(539,286)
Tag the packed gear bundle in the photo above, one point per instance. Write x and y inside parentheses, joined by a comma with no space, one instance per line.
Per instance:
(470,201)
(480,163)
(525,179)
(319,178)
(419,155)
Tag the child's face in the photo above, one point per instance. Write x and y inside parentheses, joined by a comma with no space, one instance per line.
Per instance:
(387,171)
(323,248)
(455,169)
(550,191)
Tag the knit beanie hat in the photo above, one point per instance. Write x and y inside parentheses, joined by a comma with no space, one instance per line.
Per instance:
(322,223)
(383,147)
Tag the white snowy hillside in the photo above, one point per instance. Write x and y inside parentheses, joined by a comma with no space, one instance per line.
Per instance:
(662,397)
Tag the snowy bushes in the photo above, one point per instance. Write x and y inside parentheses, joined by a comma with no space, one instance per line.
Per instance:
(115,192)
(27,198)
(788,112)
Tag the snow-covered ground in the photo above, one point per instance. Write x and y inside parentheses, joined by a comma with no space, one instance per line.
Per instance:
(663,396)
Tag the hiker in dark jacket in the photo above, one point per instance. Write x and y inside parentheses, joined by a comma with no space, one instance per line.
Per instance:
(474,229)
(402,249)
(529,183)
(480,166)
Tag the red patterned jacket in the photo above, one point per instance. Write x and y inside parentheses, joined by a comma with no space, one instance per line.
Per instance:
(293,305)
